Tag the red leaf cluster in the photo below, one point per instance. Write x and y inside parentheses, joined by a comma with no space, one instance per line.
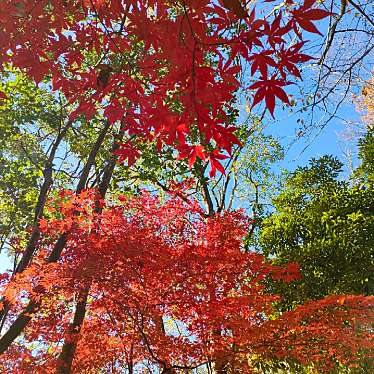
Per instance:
(166,70)
(169,288)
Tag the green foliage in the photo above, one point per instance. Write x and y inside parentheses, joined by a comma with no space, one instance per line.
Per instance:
(256,173)
(365,172)
(25,118)
(327,226)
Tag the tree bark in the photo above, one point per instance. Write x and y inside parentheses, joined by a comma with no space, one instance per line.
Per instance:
(68,349)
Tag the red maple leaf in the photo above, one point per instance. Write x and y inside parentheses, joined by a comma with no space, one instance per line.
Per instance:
(269,90)
(304,16)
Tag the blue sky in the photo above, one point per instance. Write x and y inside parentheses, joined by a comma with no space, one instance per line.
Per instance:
(329,140)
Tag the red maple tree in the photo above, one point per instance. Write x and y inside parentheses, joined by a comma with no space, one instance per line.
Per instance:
(169,288)
(157,283)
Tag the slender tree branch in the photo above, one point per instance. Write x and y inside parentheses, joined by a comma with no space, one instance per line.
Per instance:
(26,315)
(331,35)
(359,9)
(35,234)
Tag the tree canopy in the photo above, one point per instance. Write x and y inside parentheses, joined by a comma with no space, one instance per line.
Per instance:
(122,159)
(325,224)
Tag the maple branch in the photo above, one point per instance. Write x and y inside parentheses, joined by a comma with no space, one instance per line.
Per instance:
(124,18)
(255,204)
(167,189)
(226,184)
(231,200)
(353,30)
(41,201)
(322,99)
(166,369)
(109,34)
(145,339)
(147,343)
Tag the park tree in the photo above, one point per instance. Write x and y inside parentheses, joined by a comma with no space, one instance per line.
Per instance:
(124,281)
(163,280)
(325,224)
(365,172)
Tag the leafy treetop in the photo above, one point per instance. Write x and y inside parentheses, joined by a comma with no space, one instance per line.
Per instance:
(326,225)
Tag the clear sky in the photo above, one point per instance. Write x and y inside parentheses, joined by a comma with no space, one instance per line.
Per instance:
(337,138)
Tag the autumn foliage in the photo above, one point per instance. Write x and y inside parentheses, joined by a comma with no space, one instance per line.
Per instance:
(152,53)
(140,282)
(365,102)
(163,280)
